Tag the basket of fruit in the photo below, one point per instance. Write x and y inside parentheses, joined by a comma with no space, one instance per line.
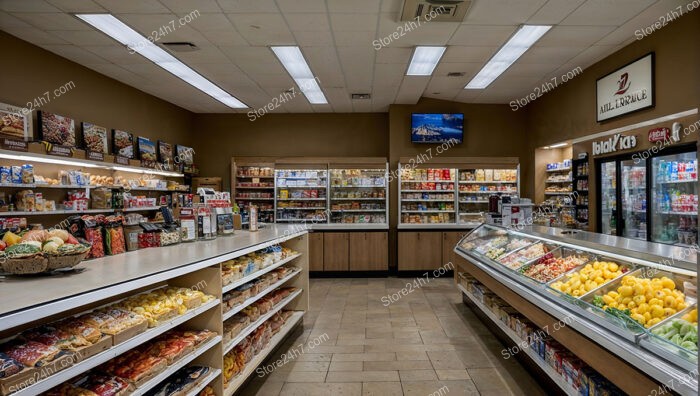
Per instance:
(40,251)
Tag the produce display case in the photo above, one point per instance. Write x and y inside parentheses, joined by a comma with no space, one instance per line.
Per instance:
(477,184)
(622,294)
(301,195)
(359,196)
(255,186)
(427,196)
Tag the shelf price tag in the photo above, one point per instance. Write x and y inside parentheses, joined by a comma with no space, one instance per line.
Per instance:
(14,144)
(60,151)
(95,156)
(118,159)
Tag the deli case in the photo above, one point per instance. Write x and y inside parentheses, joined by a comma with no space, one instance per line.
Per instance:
(633,300)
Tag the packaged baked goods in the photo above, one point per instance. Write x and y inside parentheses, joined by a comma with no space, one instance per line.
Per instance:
(30,353)
(82,329)
(16,174)
(99,320)
(27,174)
(57,337)
(9,366)
(101,198)
(104,384)
(114,238)
(5,174)
(182,381)
(25,201)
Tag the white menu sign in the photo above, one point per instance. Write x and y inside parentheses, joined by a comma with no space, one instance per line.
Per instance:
(625,90)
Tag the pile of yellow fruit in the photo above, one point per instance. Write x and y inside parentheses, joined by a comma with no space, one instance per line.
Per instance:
(691,317)
(649,300)
(588,278)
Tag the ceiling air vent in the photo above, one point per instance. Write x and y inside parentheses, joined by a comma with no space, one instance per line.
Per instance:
(455,74)
(360,96)
(181,46)
(435,10)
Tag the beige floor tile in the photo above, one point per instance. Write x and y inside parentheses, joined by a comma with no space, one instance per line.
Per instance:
(412,356)
(347,366)
(447,375)
(364,357)
(417,375)
(309,366)
(339,349)
(398,365)
(306,376)
(324,389)
(447,388)
(362,376)
(381,389)
(266,388)
(314,357)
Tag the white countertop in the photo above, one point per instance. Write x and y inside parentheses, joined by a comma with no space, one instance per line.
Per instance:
(23,299)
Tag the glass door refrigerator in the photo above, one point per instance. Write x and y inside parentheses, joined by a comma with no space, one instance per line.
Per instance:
(674,217)
(654,199)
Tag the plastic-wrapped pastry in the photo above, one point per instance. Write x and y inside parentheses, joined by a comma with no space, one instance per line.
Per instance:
(9,366)
(60,338)
(30,353)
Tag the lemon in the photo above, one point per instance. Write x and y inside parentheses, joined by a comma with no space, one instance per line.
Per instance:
(625,291)
(613,267)
(668,283)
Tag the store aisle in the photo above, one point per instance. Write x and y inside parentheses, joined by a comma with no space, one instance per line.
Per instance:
(358,343)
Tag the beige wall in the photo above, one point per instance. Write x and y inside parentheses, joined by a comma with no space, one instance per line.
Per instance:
(95,98)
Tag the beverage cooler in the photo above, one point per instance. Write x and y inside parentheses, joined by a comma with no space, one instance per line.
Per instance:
(654,199)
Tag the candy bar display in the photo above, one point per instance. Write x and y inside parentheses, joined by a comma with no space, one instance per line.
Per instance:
(358,196)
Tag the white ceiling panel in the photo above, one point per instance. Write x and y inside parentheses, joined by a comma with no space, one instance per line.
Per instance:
(502,12)
(77,5)
(133,7)
(338,40)
(308,22)
(411,89)
(301,6)
(606,12)
(554,12)
(263,29)
(187,6)
(345,6)
(481,35)
(577,36)
(248,6)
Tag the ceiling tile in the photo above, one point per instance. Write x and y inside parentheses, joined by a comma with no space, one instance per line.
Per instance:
(8,20)
(219,70)
(606,12)
(394,55)
(133,7)
(226,37)
(205,54)
(33,35)
(592,55)
(74,53)
(388,75)
(468,95)
(502,12)
(362,106)
(308,22)
(77,5)
(482,35)
(249,54)
(469,69)
(263,29)
(554,12)
(391,6)
(186,6)
(338,98)
(117,73)
(52,21)
(537,70)
(556,55)
(350,39)
(281,82)
(462,54)
(301,6)
(82,37)
(354,6)
(116,53)
(353,22)
(208,21)
(27,6)
(313,39)
(411,89)
(577,36)
(323,62)
(395,33)
(442,84)
(248,6)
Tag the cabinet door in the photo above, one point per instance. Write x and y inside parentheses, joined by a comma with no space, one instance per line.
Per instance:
(369,251)
(315,251)
(335,251)
(449,241)
(420,250)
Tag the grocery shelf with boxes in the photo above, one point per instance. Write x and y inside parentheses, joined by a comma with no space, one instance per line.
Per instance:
(620,304)
(200,318)
(301,194)
(358,194)
(475,187)
(254,185)
(427,196)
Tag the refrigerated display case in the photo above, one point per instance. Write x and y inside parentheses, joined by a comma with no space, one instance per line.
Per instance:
(675,199)
(580,186)
(427,196)
(358,196)
(602,283)
(255,186)
(656,199)
(301,195)
(475,187)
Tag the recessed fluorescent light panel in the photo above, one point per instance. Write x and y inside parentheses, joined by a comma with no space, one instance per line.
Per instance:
(521,41)
(119,31)
(293,60)
(559,145)
(424,60)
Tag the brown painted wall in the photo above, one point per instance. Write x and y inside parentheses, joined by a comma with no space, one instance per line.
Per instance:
(94,98)
(287,135)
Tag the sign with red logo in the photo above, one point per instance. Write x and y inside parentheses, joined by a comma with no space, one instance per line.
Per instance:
(628,89)
(659,134)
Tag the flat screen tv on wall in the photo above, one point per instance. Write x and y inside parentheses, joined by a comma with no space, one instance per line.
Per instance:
(436,128)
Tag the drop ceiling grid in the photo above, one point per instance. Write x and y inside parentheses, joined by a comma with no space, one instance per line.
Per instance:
(336,38)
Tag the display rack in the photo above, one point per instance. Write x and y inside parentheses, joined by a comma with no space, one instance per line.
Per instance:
(358,196)
(301,195)
(255,186)
(559,180)
(602,340)
(427,196)
(35,301)
(580,188)
(477,184)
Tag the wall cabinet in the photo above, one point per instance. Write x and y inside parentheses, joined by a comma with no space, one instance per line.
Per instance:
(369,251)
(420,250)
(336,251)
(315,251)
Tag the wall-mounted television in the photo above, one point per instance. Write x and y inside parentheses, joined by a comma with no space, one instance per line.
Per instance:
(436,128)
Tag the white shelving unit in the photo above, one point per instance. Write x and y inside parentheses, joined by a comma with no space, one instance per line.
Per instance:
(437,205)
(298,184)
(477,184)
(257,180)
(359,196)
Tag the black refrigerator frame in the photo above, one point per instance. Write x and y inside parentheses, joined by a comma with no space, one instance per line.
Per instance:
(676,149)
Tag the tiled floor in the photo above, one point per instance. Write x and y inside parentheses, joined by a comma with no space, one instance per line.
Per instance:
(426,343)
